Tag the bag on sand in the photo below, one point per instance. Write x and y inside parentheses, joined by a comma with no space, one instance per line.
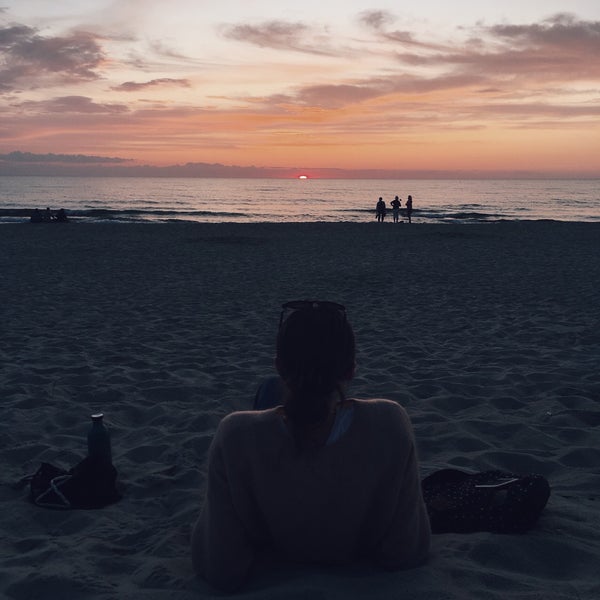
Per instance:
(89,484)
(460,502)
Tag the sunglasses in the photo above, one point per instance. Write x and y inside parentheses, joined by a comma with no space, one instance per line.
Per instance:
(289,307)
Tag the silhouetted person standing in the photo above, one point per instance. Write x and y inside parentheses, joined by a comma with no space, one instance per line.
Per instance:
(409,208)
(380,210)
(396,204)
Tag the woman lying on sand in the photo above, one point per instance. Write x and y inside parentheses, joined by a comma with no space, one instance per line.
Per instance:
(320,479)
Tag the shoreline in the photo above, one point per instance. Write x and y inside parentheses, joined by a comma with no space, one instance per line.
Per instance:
(488,333)
(19,216)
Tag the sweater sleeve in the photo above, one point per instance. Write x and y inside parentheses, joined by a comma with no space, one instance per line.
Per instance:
(221,551)
(407,539)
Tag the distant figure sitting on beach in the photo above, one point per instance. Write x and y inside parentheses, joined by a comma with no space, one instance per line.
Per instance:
(319,478)
(36,216)
(396,208)
(409,208)
(61,216)
(380,210)
(48,217)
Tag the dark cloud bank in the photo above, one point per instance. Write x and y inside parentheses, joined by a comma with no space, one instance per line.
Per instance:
(47,165)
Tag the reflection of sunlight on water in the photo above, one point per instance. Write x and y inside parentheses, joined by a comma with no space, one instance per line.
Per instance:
(244,200)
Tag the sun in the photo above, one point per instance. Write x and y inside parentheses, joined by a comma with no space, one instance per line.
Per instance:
(302,176)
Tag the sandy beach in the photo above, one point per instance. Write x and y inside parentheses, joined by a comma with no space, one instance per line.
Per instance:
(488,334)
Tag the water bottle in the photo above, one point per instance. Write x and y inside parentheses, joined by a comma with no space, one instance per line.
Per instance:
(99,439)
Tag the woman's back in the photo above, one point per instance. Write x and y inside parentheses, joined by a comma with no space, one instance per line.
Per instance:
(358,496)
(319,478)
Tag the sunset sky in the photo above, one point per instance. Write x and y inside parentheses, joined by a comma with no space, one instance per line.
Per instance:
(473,86)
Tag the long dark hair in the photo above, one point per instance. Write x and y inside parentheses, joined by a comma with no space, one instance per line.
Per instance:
(315,354)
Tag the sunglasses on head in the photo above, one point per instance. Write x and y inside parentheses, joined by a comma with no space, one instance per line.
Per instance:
(295,305)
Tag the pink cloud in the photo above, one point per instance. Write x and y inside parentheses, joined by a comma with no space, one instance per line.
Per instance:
(33,61)
(280,35)
(133,86)
(74,104)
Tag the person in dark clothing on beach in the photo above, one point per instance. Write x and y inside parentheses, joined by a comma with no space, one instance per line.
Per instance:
(396,208)
(380,210)
(313,477)
(409,208)
(61,216)
(36,217)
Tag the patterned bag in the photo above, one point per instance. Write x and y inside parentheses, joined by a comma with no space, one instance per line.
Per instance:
(496,501)
(89,484)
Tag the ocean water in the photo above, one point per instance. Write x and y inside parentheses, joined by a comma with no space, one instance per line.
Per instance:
(278,200)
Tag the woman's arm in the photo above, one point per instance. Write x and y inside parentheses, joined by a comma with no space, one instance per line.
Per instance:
(406,543)
(407,538)
(221,551)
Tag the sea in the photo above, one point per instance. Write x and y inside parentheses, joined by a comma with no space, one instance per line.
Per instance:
(208,200)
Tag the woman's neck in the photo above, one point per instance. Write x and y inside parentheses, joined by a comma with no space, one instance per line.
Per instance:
(316,434)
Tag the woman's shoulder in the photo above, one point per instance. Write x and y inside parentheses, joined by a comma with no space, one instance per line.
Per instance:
(379,405)
(246,422)
(383,410)
(246,418)
(380,422)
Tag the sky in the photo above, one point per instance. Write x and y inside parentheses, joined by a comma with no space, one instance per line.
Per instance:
(338,87)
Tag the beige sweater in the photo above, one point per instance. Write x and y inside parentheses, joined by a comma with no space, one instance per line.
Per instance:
(358,497)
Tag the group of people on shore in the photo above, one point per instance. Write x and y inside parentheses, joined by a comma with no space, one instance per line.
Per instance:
(396,203)
(47,216)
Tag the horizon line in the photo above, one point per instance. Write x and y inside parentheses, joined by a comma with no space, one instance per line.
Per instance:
(219,171)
